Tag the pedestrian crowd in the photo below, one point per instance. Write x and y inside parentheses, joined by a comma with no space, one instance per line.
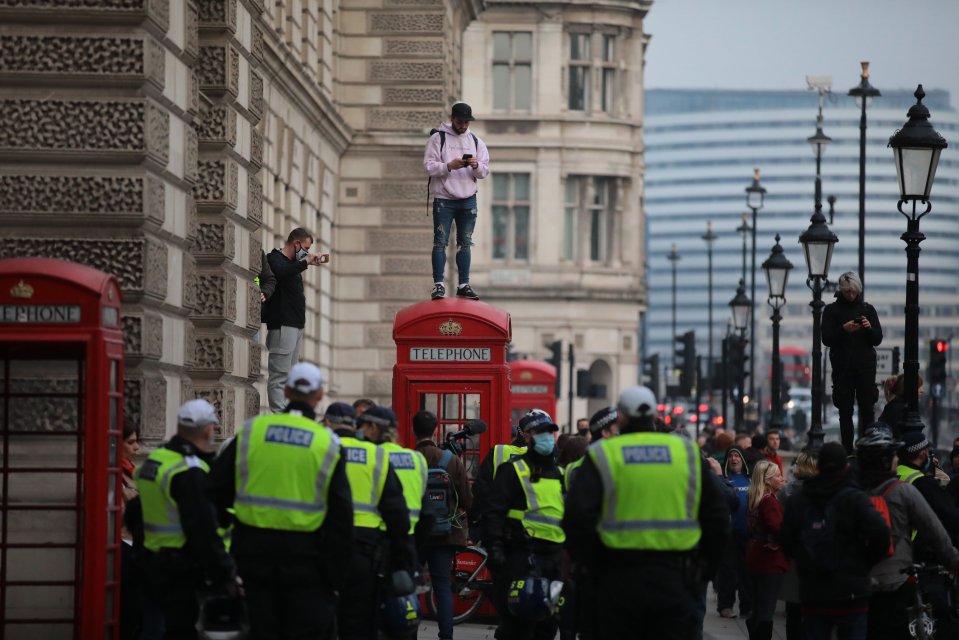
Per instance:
(309,525)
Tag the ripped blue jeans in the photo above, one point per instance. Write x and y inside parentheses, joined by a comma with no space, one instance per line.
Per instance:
(445,212)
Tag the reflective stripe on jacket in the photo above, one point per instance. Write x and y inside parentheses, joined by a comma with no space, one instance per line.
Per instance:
(366,467)
(284,464)
(652,485)
(411,468)
(161,516)
(544,505)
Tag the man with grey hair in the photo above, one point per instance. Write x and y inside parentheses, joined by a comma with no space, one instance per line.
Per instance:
(851,330)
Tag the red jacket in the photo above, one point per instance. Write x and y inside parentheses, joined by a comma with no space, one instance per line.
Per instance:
(763,554)
(775,458)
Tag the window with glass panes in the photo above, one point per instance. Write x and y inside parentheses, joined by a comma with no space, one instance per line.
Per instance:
(511,205)
(512,70)
(608,71)
(579,63)
(589,209)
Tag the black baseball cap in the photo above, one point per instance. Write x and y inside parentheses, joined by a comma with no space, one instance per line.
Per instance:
(463,111)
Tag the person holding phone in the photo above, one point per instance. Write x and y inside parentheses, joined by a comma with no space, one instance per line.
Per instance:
(851,330)
(455,159)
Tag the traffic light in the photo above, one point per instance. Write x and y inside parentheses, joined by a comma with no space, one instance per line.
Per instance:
(938,349)
(556,359)
(737,360)
(651,373)
(686,362)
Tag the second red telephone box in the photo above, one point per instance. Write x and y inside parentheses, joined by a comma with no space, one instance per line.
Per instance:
(451,360)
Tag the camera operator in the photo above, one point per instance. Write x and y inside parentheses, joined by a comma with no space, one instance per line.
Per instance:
(851,330)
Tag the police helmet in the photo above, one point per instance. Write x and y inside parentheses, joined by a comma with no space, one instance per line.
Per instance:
(399,616)
(878,437)
(534,598)
(223,617)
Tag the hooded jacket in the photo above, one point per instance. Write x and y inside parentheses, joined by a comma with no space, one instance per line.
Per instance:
(459,183)
(740,483)
(856,349)
(861,534)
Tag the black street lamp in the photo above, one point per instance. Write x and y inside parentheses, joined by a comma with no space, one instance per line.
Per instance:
(817,243)
(744,229)
(832,207)
(709,238)
(673,257)
(755,196)
(916,148)
(741,309)
(819,141)
(863,93)
(777,268)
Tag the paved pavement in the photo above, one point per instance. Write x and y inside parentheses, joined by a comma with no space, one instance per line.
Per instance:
(714,628)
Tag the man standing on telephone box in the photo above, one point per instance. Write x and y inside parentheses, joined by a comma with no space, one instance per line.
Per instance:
(455,159)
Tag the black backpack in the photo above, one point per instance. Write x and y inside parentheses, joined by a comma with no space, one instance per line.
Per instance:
(819,533)
(439,489)
(443,144)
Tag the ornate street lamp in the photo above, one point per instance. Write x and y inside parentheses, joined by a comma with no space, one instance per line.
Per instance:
(916,148)
(755,197)
(673,257)
(863,93)
(777,268)
(817,243)
(741,307)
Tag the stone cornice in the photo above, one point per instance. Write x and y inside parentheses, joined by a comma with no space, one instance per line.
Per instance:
(528,292)
(281,66)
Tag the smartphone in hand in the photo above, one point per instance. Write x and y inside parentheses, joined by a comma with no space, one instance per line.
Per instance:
(467,156)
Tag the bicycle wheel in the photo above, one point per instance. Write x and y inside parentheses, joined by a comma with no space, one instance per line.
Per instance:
(467,597)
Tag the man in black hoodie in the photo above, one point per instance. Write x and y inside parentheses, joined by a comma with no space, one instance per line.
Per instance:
(851,330)
(834,596)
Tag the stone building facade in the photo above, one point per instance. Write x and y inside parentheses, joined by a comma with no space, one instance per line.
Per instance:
(169,141)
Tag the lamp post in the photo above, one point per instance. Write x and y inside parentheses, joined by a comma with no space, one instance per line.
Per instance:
(709,238)
(832,208)
(863,93)
(673,258)
(744,229)
(741,307)
(818,141)
(755,196)
(817,243)
(777,268)
(916,148)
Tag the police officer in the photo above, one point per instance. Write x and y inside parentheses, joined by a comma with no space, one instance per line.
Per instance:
(483,484)
(178,524)
(286,479)
(522,524)
(642,519)
(410,467)
(601,425)
(381,524)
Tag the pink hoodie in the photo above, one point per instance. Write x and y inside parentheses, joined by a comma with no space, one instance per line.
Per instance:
(460,183)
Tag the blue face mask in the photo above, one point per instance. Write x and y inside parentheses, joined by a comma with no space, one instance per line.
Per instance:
(543,443)
(360,434)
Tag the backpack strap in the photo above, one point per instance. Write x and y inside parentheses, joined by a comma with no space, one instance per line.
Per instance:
(891,483)
(475,143)
(445,459)
(430,179)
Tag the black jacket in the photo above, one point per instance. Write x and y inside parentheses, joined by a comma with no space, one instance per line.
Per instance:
(893,413)
(287,306)
(330,546)
(197,517)
(850,350)
(507,493)
(483,488)
(584,506)
(861,533)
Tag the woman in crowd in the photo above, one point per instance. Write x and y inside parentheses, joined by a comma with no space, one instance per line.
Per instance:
(803,468)
(765,561)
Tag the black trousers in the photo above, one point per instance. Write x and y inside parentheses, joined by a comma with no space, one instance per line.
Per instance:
(287,599)
(851,387)
(888,619)
(359,597)
(522,563)
(733,577)
(647,600)
(175,579)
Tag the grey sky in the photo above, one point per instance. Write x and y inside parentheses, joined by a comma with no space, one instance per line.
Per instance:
(774,44)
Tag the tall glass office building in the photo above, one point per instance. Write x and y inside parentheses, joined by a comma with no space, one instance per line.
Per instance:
(701,148)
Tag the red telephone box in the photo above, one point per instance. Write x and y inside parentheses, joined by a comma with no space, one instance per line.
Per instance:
(534,387)
(451,360)
(61,402)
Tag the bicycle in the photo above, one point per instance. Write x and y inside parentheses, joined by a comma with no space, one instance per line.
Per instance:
(922,621)
(470,580)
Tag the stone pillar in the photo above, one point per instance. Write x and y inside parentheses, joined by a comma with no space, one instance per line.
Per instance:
(97,165)
(229,198)
(399,73)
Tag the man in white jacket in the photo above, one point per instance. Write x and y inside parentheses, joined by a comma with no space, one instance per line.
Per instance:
(455,159)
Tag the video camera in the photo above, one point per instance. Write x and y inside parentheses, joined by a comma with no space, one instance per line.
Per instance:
(456,441)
